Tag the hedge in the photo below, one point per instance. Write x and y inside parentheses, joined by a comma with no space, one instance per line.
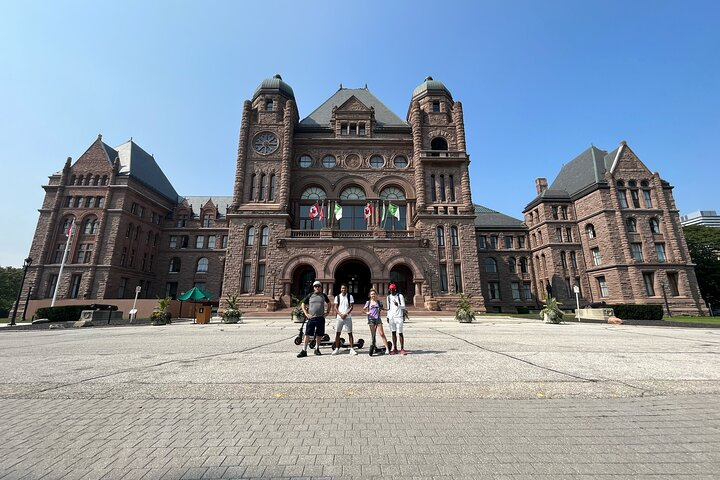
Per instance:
(638,312)
(61,314)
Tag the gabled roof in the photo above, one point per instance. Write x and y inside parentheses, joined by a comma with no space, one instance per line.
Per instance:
(384,117)
(488,218)
(139,164)
(197,202)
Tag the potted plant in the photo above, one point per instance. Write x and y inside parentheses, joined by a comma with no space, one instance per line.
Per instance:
(161,315)
(551,312)
(232,313)
(298,316)
(464,313)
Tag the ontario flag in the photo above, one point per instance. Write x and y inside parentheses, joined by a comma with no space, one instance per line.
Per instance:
(368,212)
(314,210)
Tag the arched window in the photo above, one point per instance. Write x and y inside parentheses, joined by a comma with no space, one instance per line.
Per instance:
(563,260)
(523,265)
(590,229)
(631,225)
(174,264)
(264,236)
(73,178)
(454,236)
(207,217)
(451,187)
(440,235)
(396,197)
(654,225)
(261,190)
(512,266)
(634,193)
(251,192)
(490,265)
(353,201)
(309,197)
(250,237)
(105,180)
(273,185)
(202,265)
(96,180)
(442,188)
(622,197)
(438,143)
(433,189)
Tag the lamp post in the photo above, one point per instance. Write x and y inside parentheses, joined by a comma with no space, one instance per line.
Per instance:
(26,263)
(667,305)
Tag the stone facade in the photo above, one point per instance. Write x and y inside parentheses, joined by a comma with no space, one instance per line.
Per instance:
(402,189)
(617,236)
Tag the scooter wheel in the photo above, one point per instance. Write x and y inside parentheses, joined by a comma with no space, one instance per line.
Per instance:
(342,342)
(326,338)
(360,343)
(298,340)
(312,343)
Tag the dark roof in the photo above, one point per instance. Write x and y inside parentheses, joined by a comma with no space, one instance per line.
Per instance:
(488,218)
(273,84)
(384,117)
(139,164)
(431,85)
(197,202)
(586,169)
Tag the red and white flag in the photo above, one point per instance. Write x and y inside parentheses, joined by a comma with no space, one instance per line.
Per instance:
(314,210)
(322,211)
(69,230)
(368,212)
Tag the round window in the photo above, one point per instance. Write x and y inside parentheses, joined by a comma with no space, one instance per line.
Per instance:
(400,162)
(304,161)
(376,161)
(329,161)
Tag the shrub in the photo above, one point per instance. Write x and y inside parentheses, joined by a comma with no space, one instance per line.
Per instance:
(638,312)
(64,313)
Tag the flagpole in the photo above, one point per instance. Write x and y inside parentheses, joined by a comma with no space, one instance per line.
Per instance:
(64,259)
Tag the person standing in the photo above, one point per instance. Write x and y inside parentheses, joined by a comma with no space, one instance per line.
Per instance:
(395,315)
(343,308)
(315,306)
(373,307)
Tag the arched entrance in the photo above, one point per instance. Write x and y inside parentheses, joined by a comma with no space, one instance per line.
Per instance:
(303,278)
(402,277)
(357,277)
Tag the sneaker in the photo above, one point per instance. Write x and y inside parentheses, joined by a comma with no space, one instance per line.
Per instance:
(371,350)
(335,351)
(388,352)
(353,352)
(302,354)
(392,352)
(317,351)
(403,352)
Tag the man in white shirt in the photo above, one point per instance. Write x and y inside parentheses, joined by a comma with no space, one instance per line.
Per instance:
(396,312)
(343,307)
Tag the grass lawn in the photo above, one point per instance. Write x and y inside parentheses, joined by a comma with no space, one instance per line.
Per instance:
(708,320)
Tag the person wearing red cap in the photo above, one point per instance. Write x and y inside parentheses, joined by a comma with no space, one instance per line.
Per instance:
(396,309)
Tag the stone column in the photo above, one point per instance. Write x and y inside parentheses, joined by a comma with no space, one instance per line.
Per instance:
(242,150)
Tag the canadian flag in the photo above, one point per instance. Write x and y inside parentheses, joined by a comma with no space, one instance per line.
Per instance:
(314,210)
(322,212)
(368,212)
(70,229)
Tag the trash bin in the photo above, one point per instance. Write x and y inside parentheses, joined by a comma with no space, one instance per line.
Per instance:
(203,313)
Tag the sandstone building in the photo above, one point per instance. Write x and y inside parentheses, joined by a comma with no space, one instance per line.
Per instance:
(353,194)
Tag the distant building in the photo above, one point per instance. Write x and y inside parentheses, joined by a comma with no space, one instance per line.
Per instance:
(705,218)
(354,194)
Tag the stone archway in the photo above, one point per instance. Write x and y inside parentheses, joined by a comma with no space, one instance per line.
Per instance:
(402,276)
(356,274)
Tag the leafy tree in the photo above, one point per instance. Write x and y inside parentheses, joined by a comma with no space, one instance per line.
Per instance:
(704,246)
(9,284)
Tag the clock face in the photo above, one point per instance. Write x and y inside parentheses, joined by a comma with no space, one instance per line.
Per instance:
(265,143)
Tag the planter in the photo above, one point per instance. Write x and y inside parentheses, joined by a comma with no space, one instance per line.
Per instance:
(298,317)
(551,318)
(233,319)
(160,318)
(464,318)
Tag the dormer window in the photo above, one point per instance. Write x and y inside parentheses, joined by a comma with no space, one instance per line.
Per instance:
(269,105)
(344,129)
(361,129)
(436,106)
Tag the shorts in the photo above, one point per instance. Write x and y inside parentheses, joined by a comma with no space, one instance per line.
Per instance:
(396,324)
(315,327)
(343,322)
(374,321)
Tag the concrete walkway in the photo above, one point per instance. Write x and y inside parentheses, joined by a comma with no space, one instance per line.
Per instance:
(500,398)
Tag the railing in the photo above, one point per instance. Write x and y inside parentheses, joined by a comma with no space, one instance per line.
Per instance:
(442,153)
(305,234)
(354,234)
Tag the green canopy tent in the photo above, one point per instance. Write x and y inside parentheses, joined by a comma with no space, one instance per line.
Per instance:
(194,294)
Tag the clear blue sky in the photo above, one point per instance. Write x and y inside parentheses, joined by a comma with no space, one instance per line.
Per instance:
(540,82)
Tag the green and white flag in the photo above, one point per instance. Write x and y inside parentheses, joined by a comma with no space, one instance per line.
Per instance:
(393,210)
(338,211)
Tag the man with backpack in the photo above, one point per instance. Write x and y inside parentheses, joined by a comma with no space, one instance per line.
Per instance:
(343,308)
(395,316)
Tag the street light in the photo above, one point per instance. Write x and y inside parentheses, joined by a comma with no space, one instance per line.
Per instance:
(667,305)
(26,263)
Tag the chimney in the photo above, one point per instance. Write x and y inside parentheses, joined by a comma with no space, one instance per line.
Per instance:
(541,185)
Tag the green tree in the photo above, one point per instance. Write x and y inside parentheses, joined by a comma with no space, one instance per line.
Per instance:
(9,284)
(704,246)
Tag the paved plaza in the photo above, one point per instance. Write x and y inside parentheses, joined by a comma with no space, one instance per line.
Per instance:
(499,398)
